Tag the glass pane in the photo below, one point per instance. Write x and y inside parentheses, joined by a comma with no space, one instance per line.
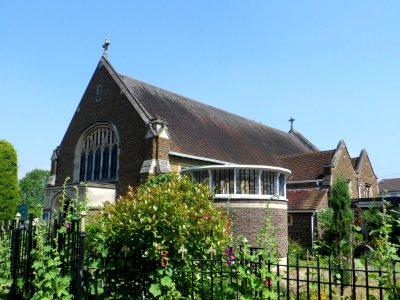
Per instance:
(89,168)
(97,158)
(268,183)
(281,185)
(105,167)
(82,168)
(114,157)
(246,182)
(200,176)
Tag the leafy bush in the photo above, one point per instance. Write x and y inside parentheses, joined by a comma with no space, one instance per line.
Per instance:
(167,213)
(9,195)
(5,262)
(295,250)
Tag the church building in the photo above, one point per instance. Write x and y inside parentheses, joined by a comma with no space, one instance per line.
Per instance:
(125,130)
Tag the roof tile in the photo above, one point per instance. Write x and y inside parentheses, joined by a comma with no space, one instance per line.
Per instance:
(202,130)
(306,199)
(307,166)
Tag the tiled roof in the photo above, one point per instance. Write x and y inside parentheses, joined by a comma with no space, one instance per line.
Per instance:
(391,185)
(306,199)
(202,130)
(307,166)
(354,161)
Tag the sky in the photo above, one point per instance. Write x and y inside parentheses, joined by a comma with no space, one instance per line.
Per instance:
(331,65)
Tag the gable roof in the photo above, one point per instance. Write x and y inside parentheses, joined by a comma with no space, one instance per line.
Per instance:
(204,131)
(390,184)
(354,161)
(307,166)
(305,199)
(360,161)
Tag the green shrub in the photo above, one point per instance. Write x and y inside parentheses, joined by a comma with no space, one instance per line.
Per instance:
(9,195)
(167,213)
(295,250)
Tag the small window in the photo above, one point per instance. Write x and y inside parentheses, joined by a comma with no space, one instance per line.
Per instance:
(290,220)
(368,191)
(98,93)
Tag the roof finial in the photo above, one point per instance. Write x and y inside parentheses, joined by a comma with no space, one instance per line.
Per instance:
(291,123)
(105,46)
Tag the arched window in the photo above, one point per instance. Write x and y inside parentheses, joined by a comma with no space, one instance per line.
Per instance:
(98,155)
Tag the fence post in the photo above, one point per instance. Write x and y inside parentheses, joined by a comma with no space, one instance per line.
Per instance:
(28,261)
(81,257)
(15,253)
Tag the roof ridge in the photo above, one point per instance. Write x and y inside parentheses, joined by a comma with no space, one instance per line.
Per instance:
(306,153)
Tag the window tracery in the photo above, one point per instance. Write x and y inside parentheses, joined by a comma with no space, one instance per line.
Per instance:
(99,155)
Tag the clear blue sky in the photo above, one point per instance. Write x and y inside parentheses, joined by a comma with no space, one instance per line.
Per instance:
(332,65)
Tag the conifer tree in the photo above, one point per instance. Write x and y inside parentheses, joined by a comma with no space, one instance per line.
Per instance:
(9,194)
(342,217)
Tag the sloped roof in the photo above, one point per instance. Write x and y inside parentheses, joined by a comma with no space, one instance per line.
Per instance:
(354,161)
(391,185)
(307,166)
(305,199)
(202,130)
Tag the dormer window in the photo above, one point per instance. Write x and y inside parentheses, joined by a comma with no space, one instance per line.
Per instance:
(98,93)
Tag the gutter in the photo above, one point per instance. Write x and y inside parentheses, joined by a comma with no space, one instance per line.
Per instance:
(199,158)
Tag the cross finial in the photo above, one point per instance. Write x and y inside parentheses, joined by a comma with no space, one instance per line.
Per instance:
(291,120)
(105,46)
(125,249)
(182,250)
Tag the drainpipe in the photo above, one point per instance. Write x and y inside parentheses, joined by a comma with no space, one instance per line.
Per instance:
(312,229)
(157,165)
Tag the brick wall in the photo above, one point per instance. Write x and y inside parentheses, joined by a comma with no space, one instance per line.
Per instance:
(115,108)
(248,221)
(300,229)
(344,168)
(367,175)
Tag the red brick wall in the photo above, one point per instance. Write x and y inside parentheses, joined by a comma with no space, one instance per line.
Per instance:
(300,230)
(114,107)
(249,221)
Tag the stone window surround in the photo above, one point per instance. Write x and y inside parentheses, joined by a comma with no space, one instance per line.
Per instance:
(80,145)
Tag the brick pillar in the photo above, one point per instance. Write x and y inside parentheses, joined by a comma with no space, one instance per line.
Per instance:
(157,145)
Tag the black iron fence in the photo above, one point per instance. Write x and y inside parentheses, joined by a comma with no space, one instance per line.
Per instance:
(21,236)
(219,277)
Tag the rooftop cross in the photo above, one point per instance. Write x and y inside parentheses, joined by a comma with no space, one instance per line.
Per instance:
(105,46)
(291,123)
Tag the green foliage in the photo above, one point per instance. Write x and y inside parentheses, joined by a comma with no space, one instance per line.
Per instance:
(374,219)
(337,221)
(384,252)
(166,213)
(165,216)
(254,278)
(9,195)
(295,250)
(5,263)
(32,188)
(164,287)
(48,279)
